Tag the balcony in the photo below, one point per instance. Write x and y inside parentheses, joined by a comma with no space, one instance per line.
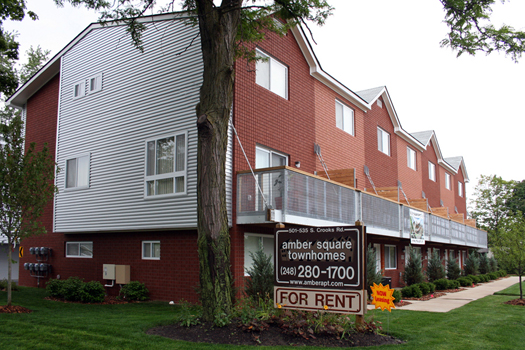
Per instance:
(299,198)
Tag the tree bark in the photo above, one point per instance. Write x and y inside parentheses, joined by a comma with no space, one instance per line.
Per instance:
(9,267)
(218,27)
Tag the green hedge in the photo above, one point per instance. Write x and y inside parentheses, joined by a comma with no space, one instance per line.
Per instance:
(412,291)
(134,291)
(75,289)
(465,281)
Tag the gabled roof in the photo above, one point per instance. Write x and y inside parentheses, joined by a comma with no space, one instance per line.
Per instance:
(457,163)
(52,67)
(423,136)
(371,95)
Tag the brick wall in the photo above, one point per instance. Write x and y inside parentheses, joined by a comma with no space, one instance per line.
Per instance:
(411,180)
(430,187)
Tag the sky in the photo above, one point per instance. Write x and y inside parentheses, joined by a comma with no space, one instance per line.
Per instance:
(472,103)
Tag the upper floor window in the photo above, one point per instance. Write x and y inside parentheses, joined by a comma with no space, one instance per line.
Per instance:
(266,158)
(151,250)
(431,171)
(95,83)
(383,141)
(166,165)
(411,158)
(79,89)
(344,117)
(447,181)
(460,188)
(272,74)
(79,249)
(77,172)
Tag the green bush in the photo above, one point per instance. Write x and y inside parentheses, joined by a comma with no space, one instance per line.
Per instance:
(441,284)
(453,270)
(502,273)
(93,292)
(134,291)
(475,279)
(435,268)
(397,296)
(3,285)
(260,282)
(54,288)
(425,288)
(484,264)
(493,264)
(413,273)
(493,276)
(412,291)
(472,264)
(465,281)
(484,278)
(453,284)
(72,289)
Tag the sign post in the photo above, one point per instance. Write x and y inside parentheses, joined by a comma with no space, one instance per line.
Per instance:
(320,268)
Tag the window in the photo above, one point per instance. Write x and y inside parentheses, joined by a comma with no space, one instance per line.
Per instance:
(447,181)
(77,172)
(436,250)
(151,250)
(272,74)
(390,257)
(344,117)
(95,83)
(411,158)
(383,141)
(452,254)
(166,165)
(460,188)
(79,89)
(431,171)
(266,158)
(252,243)
(79,249)
(377,251)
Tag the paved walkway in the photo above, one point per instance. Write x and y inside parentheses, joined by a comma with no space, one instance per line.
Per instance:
(451,301)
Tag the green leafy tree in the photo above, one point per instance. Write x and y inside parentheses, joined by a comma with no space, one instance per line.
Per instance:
(373,274)
(435,268)
(26,175)
(509,245)
(224,30)
(413,273)
(516,201)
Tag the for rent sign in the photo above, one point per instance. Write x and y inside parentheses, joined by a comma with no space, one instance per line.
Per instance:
(342,301)
(320,257)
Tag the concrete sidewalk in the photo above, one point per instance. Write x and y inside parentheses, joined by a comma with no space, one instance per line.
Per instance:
(454,300)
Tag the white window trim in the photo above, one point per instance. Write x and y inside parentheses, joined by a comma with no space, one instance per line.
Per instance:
(380,143)
(82,90)
(173,175)
(349,110)
(151,243)
(271,61)
(97,88)
(76,188)
(271,151)
(411,161)
(460,188)
(261,235)
(431,174)
(80,256)
(388,246)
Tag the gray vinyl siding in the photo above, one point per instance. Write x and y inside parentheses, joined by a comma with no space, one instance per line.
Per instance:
(144,95)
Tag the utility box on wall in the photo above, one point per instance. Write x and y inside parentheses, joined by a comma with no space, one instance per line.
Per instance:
(108,271)
(122,273)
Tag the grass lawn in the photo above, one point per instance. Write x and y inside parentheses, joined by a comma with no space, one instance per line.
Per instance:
(513,290)
(483,324)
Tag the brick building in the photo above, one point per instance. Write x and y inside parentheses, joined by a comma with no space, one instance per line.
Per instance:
(122,127)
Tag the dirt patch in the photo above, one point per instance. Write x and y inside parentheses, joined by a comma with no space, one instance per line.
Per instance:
(14,309)
(273,336)
(518,301)
(109,300)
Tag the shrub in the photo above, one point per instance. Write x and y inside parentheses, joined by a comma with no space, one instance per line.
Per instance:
(441,284)
(483,278)
(412,291)
(493,276)
(425,288)
(472,264)
(453,284)
(465,281)
(432,287)
(72,289)
(475,279)
(54,288)
(484,264)
(134,291)
(93,292)
(453,270)
(413,273)
(3,285)
(502,273)
(260,282)
(493,264)
(397,296)
(435,268)
(372,275)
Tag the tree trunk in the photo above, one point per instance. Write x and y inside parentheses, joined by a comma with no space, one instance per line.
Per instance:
(9,267)
(218,29)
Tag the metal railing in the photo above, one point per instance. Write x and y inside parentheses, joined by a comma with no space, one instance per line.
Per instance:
(304,199)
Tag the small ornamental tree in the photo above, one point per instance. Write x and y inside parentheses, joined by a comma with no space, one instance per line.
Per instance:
(260,282)
(472,264)
(373,274)
(493,264)
(484,264)
(435,268)
(453,269)
(413,271)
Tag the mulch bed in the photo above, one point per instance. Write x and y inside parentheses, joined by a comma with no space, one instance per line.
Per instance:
(273,336)
(518,301)
(14,309)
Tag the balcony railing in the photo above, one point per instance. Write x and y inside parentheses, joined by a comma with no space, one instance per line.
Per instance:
(296,197)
